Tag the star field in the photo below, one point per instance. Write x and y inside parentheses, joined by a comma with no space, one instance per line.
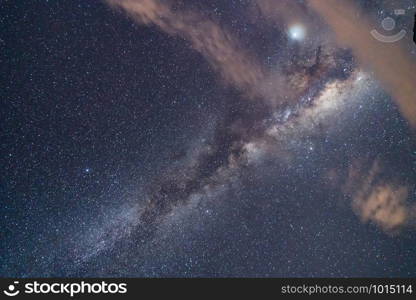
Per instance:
(218,139)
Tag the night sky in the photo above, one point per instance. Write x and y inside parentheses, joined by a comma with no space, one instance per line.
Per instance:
(221,138)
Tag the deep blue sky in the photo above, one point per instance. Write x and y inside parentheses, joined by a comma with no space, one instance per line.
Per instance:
(99,112)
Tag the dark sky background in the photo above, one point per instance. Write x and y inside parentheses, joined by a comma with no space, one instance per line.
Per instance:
(103,122)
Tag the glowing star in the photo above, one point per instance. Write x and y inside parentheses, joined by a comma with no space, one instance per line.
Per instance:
(297,32)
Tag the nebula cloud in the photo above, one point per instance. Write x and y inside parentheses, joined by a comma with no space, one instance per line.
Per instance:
(242,138)
(237,138)
(310,94)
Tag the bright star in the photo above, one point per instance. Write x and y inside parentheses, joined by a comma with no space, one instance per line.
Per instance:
(297,32)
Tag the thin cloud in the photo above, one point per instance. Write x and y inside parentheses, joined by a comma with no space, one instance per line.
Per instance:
(391,63)
(220,49)
(382,203)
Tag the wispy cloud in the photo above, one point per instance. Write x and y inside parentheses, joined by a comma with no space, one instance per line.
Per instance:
(391,63)
(218,47)
(383,203)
